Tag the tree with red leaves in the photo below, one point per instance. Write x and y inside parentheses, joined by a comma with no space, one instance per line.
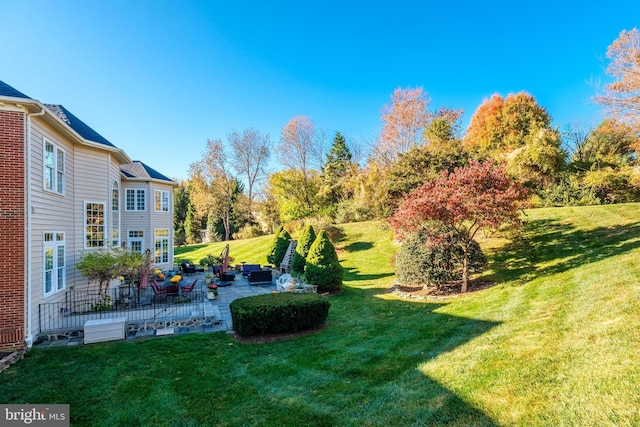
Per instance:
(478,197)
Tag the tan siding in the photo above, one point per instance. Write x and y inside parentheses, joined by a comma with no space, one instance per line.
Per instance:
(51,212)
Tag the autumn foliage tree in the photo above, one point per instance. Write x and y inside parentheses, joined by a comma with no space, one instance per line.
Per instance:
(404,122)
(622,96)
(500,125)
(462,203)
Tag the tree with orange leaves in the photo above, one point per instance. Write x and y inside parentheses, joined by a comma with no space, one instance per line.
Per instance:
(501,125)
(622,96)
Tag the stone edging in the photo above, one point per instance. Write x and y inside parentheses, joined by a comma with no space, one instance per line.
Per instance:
(9,360)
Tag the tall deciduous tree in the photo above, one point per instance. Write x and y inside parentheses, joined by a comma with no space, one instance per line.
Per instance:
(478,197)
(296,149)
(251,151)
(404,122)
(500,125)
(213,172)
(295,198)
(612,142)
(622,96)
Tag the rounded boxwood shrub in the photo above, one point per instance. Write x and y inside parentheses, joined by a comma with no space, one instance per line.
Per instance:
(421,261)
(280,312)
(305,241)
(322,267)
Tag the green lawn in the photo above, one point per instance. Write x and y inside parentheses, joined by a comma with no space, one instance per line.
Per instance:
(555,342)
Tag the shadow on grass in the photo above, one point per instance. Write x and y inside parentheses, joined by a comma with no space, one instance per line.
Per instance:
(385,354)
(354,275)
(550,247)
(358,246)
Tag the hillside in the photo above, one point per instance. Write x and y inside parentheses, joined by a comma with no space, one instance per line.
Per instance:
(565,316)
(554,342)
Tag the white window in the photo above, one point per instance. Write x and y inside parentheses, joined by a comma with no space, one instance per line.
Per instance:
(136,241)
(135,199)
(53,167)
(162,201)
(162,245)
(54,263)
(115,215)
(94,236)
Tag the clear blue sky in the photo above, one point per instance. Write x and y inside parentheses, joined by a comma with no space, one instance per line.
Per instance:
(157,78)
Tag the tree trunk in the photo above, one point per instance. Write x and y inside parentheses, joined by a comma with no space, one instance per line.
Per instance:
(465,269)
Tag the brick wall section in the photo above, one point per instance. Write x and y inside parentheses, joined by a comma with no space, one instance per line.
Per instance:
(12,229)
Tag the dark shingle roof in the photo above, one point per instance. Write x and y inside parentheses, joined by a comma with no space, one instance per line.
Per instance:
(78,125)
(137,169)
(6,90)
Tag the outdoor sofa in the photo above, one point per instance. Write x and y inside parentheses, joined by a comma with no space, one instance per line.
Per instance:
(260,277)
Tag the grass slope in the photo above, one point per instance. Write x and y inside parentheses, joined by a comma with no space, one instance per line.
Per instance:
(554,343)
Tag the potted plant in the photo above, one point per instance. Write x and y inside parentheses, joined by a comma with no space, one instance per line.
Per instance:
(208,278)
(212,292)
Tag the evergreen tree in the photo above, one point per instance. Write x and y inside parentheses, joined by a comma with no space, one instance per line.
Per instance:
(191,226)
(305,241)
(336,168)
(322,267)
(274,243)
(181,203)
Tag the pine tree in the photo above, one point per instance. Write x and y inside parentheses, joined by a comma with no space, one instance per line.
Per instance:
(322,267)
(305,241)
(337,167)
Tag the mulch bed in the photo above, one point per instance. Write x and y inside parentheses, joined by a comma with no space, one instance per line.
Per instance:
(448,290)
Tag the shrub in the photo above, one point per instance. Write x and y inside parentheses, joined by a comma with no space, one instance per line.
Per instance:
(274,244)
(305,241)
(334,232)
(248,232)
(350,211)
(282,312)
(613,186)
(570,191)
(322,267)
(427,261)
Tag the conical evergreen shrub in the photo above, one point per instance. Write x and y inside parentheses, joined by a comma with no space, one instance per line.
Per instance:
(322,267)
(272,248)
(305,241)
(282,243)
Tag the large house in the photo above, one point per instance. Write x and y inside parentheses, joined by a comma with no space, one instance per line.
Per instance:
(64,190)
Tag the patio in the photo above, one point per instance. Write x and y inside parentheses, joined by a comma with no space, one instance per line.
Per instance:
(146,315)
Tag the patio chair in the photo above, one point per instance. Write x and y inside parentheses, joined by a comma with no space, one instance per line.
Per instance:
(188,290)
(158,291)
(188,268)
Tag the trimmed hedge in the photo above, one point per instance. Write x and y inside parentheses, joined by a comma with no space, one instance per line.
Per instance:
(281,312)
